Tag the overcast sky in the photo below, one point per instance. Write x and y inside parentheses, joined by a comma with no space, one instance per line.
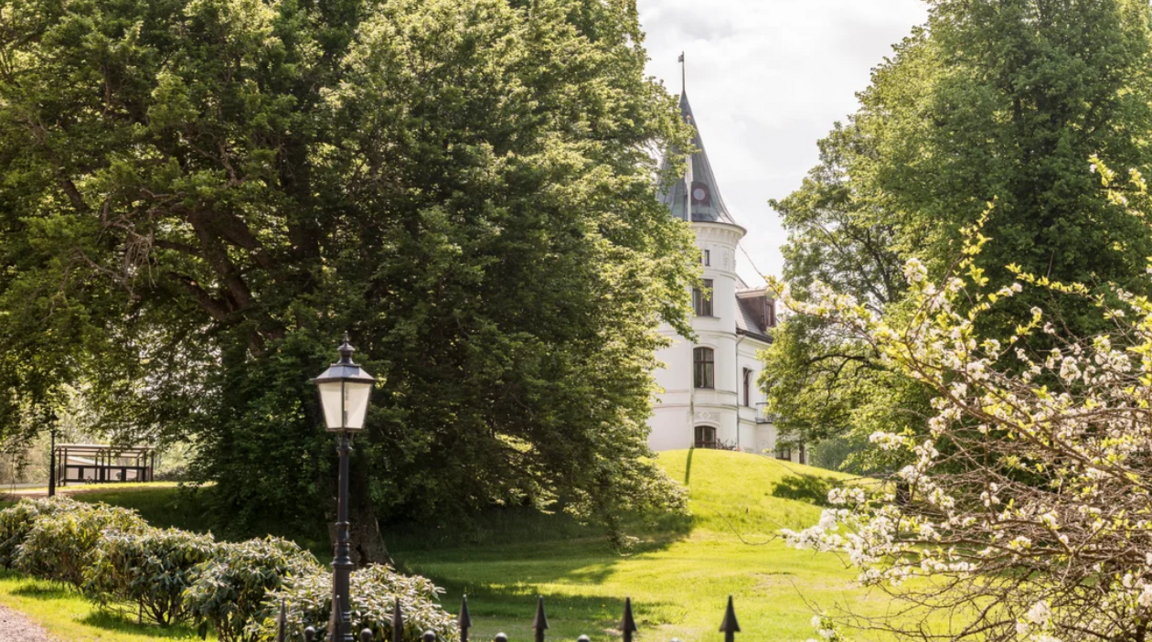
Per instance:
(767,79)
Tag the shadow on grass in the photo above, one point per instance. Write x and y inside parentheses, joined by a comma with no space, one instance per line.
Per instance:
(42,590)
(811,489)
(510,609)
(121,622)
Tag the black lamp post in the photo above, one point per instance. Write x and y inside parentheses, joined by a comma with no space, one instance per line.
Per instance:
(344,392)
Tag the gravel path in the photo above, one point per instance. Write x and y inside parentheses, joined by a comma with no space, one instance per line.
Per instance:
(16,627)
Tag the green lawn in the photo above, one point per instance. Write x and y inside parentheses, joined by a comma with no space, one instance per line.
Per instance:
(679,575)
(70,618)
(678,580)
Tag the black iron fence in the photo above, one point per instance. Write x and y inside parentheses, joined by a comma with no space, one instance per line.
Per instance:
(627,627)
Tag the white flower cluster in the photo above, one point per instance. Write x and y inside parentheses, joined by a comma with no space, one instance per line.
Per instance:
(1040,467)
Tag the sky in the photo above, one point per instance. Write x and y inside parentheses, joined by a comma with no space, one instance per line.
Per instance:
(767,79)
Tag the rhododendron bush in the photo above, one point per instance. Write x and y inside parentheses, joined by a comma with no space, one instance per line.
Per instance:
(1027,504)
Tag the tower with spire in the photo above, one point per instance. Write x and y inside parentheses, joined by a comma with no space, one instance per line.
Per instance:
(710,397)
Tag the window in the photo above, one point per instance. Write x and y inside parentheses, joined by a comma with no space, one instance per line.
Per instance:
(747,387)
(803,455)
(702,299)
(705,370)
(784,452)
(707,258)
(705,437)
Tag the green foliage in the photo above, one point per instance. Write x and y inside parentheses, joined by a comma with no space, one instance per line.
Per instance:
(17,521)
(152,568)
(230,590)
(375,590)
(60,545)
(993,101)
(197,197)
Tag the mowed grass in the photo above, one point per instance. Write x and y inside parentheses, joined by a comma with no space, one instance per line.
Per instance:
(68,617)
(679,577)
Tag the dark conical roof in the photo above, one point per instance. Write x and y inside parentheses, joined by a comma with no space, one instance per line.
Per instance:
(707,204)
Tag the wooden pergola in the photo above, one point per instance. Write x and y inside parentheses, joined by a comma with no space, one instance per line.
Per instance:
(102,463)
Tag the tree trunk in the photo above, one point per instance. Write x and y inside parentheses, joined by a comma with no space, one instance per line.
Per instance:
(368,545)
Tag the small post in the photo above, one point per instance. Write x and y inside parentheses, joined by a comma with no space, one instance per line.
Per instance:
(429,636)
(309,634)
(282,623)
(501,637)
(397,623)
(583,638)
(628,623)
(366,635)
(464,620)
(729,627)
(540,622)
(52,470)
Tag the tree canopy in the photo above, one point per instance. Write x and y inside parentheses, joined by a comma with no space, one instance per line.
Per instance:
(198,196)
(1024,509)
(999,102)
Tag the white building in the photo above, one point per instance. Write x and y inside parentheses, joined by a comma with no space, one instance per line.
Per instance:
(711,398)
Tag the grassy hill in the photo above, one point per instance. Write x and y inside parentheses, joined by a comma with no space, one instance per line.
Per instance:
(678,578)
(679,574)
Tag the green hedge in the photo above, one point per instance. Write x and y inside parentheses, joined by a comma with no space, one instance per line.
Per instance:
(231,589)
(16,522)
(59,546)
(173,575)
(151,569)
(375,590)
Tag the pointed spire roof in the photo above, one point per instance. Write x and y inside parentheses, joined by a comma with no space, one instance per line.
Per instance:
(707,204)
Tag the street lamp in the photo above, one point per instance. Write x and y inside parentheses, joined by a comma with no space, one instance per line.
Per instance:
(344,391)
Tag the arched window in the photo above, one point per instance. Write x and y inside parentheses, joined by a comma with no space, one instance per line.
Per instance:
(705,437)
(705,368)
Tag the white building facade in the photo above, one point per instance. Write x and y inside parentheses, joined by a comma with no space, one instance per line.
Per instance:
(710,395)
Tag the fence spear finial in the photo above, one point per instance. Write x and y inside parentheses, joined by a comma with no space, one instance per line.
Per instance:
(464,620)
(540,623)
(730,627)
(628,623)
(397,623)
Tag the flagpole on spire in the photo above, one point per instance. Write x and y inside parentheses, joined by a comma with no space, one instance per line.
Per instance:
(683,75)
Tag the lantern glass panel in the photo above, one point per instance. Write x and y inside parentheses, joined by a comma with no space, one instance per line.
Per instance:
(356,395)
(331,398)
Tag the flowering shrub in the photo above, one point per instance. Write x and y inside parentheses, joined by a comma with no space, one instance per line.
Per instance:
(375,590)
(59,545)
(152,568)
(229,590)
(16,522)
(1029,500)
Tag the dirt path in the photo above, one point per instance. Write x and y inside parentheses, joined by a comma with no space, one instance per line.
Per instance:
(16,627)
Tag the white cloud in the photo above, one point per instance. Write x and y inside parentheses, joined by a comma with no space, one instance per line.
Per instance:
(767,79)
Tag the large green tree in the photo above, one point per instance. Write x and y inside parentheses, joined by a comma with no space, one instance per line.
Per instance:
(992,101)
(198,196)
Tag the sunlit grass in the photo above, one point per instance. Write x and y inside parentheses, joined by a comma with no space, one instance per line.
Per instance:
(679,575)
(679,581)
(68,617)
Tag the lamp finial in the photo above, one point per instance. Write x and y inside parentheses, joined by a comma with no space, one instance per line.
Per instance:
(346,350)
